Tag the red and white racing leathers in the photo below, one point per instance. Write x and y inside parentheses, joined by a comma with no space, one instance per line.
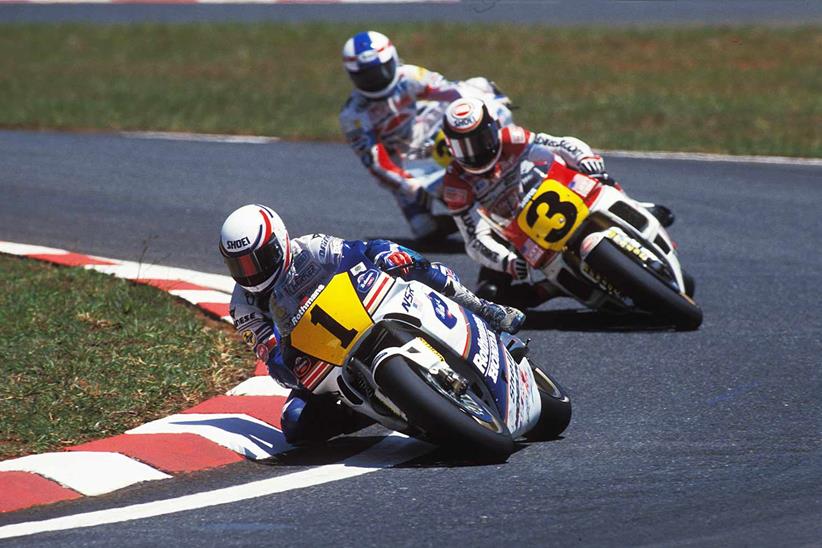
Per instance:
(381,132)
(497,193)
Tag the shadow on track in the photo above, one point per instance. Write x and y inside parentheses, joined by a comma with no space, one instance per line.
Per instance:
(576,319)
(445,246)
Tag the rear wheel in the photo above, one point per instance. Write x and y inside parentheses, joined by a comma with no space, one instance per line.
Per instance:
(466,423)
(556,407)
(644,288)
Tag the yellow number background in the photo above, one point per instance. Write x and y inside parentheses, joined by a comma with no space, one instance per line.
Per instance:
(340,301)
(549,219)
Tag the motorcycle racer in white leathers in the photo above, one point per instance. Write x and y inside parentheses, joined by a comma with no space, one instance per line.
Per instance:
(276,277)
(381,123)
(485,179)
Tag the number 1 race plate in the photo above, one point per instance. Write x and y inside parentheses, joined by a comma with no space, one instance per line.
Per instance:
(333,323)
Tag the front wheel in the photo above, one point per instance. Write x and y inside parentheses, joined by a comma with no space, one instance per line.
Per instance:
(556,407)
(465,424)
(645,289)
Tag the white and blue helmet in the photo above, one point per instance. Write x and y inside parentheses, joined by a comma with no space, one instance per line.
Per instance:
(371,61)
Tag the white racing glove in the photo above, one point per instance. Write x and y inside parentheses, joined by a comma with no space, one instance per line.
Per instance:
(591,165)
(516,267)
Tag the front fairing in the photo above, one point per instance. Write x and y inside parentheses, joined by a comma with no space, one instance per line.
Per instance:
(340,317)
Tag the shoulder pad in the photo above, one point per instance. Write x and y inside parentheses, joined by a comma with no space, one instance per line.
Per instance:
(514,140)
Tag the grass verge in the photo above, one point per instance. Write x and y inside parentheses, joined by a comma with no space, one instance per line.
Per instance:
(84,355)
(734,90)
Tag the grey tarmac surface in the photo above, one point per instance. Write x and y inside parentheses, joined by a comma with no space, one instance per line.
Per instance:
(553,13)
(709,437)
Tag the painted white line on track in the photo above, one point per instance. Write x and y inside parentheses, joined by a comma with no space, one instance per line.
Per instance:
(201,137)
(239,432)
(130,269)
(201,295)
(705,157)
(87,472)
(26,249)
(262,385)
(394,449)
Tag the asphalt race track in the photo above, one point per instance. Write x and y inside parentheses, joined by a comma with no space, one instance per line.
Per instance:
(710,437)
(544,12)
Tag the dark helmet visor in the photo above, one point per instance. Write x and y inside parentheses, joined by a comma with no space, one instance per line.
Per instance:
(254,268)
(376,78)
(477,148)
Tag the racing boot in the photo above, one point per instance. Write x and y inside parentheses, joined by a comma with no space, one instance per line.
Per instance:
(498,317)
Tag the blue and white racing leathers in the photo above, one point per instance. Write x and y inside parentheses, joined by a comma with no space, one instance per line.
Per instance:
(264,319)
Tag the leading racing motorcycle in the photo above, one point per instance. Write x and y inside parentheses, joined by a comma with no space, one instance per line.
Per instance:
(590,241)
(415,361)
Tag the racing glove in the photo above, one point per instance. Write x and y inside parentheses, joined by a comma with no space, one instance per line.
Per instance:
(516,267)
(398,261)
(591,165)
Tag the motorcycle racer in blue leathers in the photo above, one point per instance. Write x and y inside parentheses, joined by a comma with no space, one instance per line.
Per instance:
(275,278)
(382,124)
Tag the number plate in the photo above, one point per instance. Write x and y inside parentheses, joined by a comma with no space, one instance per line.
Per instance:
(552,215)
(333,323)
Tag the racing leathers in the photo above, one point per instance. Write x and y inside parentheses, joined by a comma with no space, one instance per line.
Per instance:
(383,131)
(266,320)
(473,199)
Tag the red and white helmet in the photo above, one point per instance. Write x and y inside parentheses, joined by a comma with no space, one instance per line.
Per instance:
(371,61)
(255,247)
(472,134)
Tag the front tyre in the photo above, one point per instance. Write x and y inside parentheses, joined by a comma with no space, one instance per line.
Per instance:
(441,417)
(556,407)
(645,289)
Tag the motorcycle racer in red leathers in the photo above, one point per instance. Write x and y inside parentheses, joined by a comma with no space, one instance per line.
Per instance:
(485,179)
(382,124)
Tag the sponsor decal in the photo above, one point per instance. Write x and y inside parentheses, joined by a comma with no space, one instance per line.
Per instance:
(531,252)
(462,110)
(408,299)
(366,280)
(261,351)
(358,268)
(242,320)
(455,195)
(302,366)
(306,305)
(237,244)
(431,348)
(486,359)
(517,135)
(304,277)
(582,185)
(442,311)
(629,244)
(249,337)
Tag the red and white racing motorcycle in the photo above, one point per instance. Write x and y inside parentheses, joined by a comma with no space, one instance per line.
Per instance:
(592,242)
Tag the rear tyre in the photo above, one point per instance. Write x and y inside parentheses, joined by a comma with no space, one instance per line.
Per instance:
(442,421)
(645,289)
(556,407)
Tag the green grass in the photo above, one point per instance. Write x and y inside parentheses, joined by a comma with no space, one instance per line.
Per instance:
(84,356)
(735,90)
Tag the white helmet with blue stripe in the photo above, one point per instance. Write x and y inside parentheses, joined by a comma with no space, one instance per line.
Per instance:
(371,61)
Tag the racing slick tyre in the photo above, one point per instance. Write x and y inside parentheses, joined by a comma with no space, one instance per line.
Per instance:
(473,429)
(645,289)
(556,407)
